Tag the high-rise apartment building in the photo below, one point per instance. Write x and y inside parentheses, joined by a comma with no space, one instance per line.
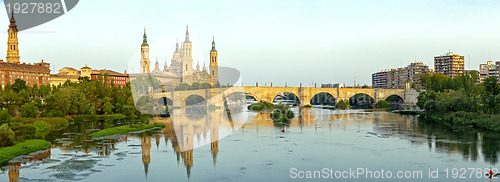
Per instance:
(400,78)
(449,64)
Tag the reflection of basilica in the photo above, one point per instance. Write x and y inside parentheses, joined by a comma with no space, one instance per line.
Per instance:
(14,168)
(186,133)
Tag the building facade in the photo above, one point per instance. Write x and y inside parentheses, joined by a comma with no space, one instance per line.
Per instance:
(72,74)
(12,69)
(181,65)
(449,64)
(401,78)
(379,79)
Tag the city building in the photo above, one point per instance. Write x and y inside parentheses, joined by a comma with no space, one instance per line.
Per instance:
(73,74)
(379,79)
(449,64)
(181,68)
(336,85)
(401,78)
(487,70)
(12,69)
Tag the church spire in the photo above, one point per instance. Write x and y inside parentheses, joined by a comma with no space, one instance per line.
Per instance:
(12,42)
(213,44)
(176,45)
(187,34)
(12,21)
(145,38)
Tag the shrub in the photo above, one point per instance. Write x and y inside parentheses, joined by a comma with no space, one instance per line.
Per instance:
(29,110)
(342,105)
(382,104)
(55,113)
(4,117)
(13,109)
(40,125)
(7,136)
(260,106)
(282,113)
(23,129)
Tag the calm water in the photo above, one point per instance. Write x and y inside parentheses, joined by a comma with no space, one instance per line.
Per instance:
(211,147)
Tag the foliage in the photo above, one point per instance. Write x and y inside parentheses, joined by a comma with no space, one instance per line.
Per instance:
(19,85)
(29,110)
(461,100)
(94,97)
(4,116)
(282,113)
(26,147)
(125,129)
(7,137)
(260,106)
(40,125)
(382,104)
(344,104)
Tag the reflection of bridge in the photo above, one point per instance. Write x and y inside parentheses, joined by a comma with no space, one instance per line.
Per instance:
(305,94)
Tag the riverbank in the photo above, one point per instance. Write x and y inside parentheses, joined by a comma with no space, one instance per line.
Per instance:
(125,129)
(22,148)
(101,117)
(468,119)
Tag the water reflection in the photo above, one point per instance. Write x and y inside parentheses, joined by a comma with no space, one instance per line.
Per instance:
(186,132)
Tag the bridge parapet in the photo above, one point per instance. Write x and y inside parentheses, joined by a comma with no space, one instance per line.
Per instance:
(267,94)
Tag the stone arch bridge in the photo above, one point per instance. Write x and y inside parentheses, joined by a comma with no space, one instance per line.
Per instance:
(267,94)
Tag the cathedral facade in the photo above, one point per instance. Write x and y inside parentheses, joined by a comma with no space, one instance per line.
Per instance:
(181,65)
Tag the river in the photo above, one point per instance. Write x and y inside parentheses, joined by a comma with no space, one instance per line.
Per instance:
(327,145)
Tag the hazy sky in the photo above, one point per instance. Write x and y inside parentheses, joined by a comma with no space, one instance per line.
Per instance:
(270,41)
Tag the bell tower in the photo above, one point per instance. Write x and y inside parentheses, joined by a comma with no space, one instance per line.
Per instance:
(214,66)
(187,59)
(145,54)
(12,43)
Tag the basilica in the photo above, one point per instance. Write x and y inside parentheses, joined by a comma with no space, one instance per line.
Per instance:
(181,65)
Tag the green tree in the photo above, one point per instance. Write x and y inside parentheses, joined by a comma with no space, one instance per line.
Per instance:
(382,104)
(19,85)
(491,86)
(29,110)
(4,116)
(7,136)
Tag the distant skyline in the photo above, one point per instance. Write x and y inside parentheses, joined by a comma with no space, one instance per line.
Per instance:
(269,41)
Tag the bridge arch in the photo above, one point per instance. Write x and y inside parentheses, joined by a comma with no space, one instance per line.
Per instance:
(394,99)
(165,101)
(195,99)
(323,98)
(362,100)
(287,96)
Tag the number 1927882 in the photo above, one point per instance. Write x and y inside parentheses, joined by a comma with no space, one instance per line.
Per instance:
(34,8)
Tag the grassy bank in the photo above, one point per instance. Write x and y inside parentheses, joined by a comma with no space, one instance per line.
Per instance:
(260,106)
(470,119)
(101,117)
(125,129)
(22,148)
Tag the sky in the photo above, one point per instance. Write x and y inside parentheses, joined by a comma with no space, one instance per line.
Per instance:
(279,41)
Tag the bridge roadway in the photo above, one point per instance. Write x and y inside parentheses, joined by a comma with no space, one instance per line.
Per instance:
(267,94)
